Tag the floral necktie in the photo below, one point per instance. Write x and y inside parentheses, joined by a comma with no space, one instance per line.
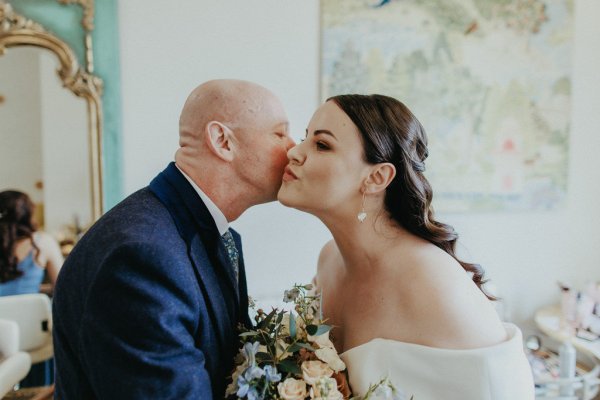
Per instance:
(232,253)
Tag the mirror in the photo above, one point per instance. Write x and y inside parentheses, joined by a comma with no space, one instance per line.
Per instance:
(51,124)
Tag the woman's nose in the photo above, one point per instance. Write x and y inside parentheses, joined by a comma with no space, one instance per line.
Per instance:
(294,154)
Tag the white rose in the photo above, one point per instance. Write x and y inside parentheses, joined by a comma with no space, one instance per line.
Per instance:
(326,389)
(312,371)
(331,357)
(322,340)
(292,389)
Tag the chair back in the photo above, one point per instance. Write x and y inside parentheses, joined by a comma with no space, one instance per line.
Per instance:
(32,313)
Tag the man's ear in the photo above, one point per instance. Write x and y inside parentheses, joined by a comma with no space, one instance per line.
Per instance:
(219,139)
(380,177)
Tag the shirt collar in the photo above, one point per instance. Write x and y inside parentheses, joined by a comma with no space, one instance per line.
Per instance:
(217,215)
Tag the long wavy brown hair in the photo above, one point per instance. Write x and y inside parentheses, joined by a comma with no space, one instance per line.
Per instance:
(16,223)
(390,133)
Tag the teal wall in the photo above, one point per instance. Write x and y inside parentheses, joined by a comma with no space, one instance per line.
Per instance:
(65,22)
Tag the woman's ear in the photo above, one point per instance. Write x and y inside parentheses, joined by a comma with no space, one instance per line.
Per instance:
(219,139)
(380,177)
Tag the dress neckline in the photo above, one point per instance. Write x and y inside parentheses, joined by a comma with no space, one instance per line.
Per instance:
(512,332)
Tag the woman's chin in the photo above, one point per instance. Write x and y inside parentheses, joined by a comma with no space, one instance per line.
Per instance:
(287,199)
(283,197)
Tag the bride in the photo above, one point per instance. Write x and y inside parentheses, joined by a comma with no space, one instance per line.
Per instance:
(402,303)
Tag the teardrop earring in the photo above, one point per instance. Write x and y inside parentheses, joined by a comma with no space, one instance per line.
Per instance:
(362,214)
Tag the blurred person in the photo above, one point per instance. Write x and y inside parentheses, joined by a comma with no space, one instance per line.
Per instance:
(26,254)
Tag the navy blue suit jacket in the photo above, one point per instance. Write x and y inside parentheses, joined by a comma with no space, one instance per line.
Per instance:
(145,305)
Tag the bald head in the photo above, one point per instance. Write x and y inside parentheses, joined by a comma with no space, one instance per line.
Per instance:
(233,143)
(232,102)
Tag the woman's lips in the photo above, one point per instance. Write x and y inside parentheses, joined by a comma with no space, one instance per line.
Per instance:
(288,175)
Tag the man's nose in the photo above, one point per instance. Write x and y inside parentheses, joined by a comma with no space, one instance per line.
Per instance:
(290,143)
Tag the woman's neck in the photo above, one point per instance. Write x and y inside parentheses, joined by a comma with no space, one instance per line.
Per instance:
(365,245)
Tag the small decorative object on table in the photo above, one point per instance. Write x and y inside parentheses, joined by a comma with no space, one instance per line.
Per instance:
(288,355)
(580,311)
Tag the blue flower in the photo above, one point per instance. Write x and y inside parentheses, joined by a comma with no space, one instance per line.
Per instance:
(253,395)
(250,350)
(243,386)
(253,372)
(247,383)
(271,374)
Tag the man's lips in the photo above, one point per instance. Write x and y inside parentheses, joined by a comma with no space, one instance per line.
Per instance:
(288,175)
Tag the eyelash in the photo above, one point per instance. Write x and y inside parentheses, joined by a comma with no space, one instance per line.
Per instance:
(322,146)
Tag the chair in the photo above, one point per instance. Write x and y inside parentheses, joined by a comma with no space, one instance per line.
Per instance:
(32,313)
(14,364)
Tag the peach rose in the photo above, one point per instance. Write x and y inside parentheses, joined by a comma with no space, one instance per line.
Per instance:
(314,370)
(292,389)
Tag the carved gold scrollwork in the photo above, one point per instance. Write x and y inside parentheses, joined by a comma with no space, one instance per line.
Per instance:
(17,30)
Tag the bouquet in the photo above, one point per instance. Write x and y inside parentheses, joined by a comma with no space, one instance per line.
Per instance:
(288,355)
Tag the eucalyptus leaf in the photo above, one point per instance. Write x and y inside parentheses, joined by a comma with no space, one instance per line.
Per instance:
(297,346)
(306,346)
(292,325)
(321,330)
(289,366)
(311,329)
(249,333)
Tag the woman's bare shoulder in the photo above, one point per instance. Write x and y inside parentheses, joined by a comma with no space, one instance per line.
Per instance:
(43,239)
(443,305)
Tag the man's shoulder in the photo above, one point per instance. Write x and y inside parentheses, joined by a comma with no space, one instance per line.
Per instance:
(139,210)
(139,218)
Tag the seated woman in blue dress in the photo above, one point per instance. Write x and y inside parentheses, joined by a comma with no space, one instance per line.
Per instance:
(25,256)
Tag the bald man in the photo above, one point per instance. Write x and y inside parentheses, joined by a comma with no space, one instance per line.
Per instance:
(146,306)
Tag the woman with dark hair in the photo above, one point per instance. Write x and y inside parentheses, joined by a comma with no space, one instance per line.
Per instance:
(402,303)
(25,254)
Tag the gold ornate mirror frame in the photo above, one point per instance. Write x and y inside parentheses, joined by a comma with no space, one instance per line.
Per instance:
(16,30)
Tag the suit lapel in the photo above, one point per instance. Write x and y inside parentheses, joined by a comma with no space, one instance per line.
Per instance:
(206,250)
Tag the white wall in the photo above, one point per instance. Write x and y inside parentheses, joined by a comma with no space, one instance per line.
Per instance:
(165,53)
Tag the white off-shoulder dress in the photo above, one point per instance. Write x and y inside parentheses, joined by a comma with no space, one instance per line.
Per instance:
(499,372)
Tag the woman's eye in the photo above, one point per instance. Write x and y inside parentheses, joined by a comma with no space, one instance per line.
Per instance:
(322,146)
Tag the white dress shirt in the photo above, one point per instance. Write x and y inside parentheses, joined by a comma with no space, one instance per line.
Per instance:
(217,215)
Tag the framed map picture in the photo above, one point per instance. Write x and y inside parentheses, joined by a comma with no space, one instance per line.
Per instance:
(490,80)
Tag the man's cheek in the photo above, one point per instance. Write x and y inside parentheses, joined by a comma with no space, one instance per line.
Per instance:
(279,156)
